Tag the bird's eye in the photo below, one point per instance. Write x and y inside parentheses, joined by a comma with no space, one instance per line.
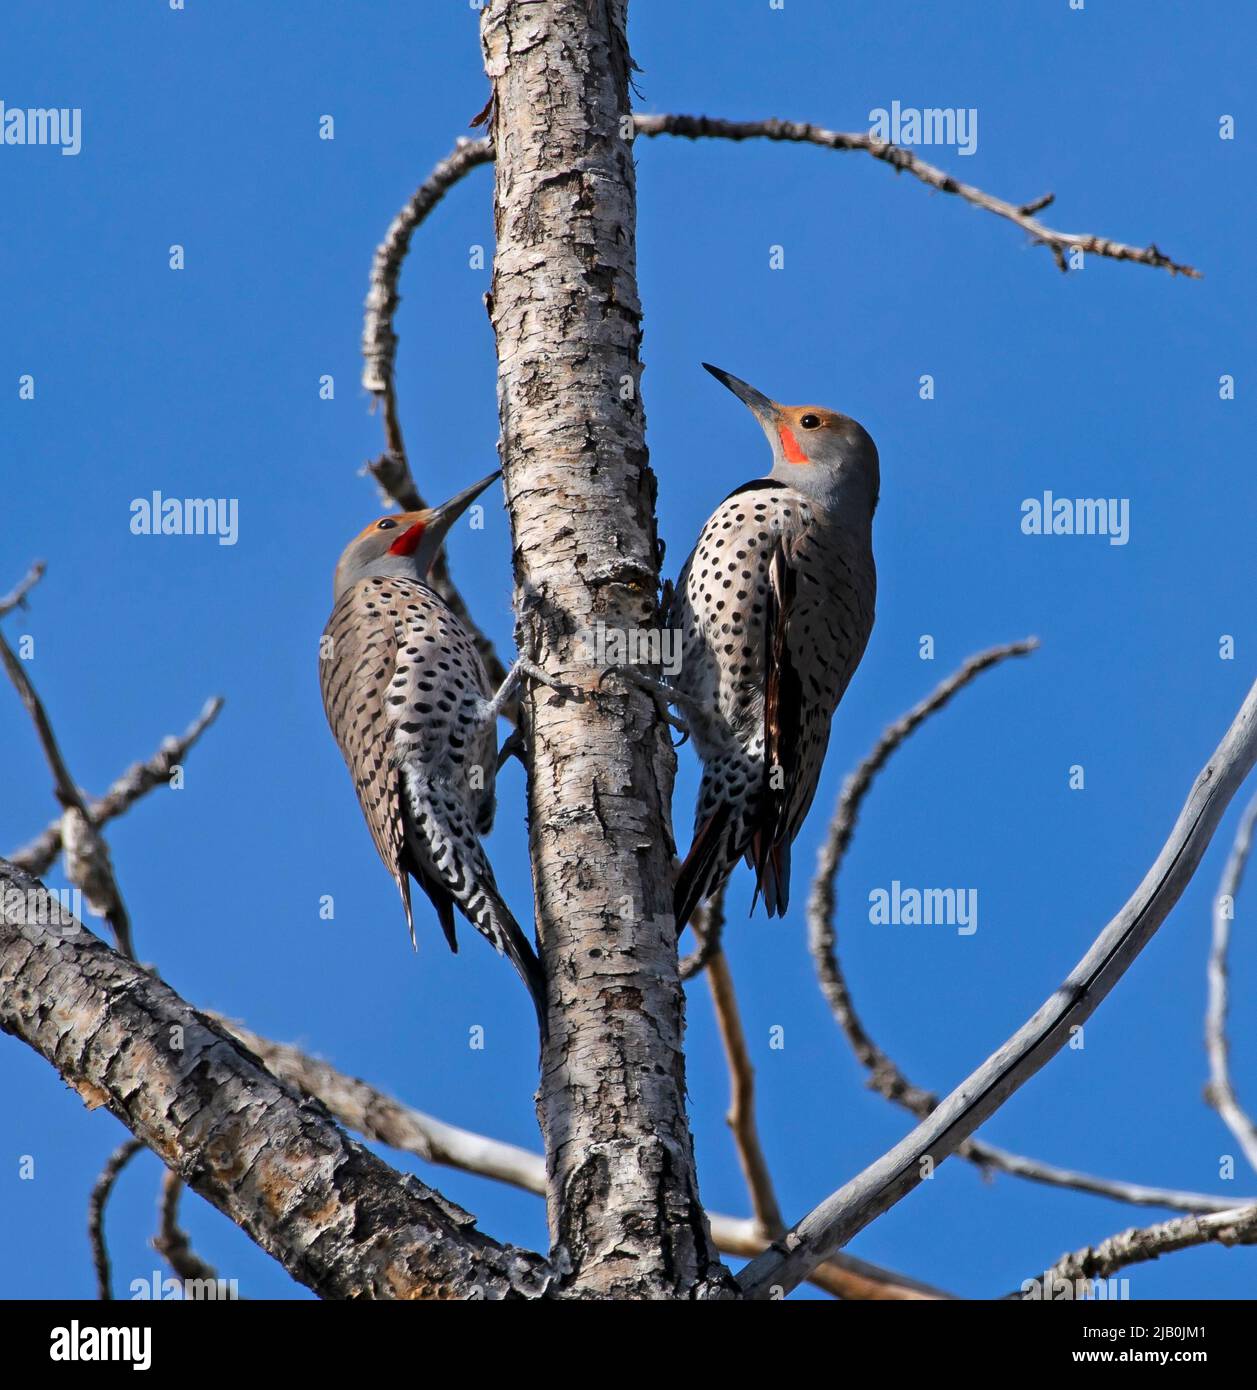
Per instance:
(809,422)
(386,525)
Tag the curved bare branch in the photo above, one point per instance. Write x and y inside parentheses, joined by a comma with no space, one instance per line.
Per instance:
(884,1182)
(102,1189)
(904,161)
(708,925)
(885,1077)
(171,1240)
(741,1116)
(1220,1092)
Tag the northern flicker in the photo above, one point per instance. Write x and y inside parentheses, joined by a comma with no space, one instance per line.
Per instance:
(410,705)
(775,607)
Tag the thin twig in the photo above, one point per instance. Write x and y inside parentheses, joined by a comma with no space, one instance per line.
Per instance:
(391,470)
(379,341)
(171,1241)
(96,1204)
(1134,1194)
(1069,1276)
(904,161)
(707,922)
(385,1120)
(741,1116)
(135,782)
(1220,1092)
(886,1181)
(16,598)
(88,865)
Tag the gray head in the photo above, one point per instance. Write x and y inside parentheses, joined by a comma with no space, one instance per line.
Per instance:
(404,544)
(827,456)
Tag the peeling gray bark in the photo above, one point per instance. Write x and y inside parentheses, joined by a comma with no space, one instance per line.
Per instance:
(337,1218)
(625,1218)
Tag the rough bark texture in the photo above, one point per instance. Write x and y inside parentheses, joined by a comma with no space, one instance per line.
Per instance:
(380,1117)
(336,1217)
(625,1218)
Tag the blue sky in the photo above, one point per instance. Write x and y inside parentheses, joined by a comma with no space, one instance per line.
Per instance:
(200,128)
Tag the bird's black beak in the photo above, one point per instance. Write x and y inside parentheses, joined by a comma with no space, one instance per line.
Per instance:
(441,518)
(760,406)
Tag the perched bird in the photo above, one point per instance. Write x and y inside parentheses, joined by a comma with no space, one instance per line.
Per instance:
(410,705)
(774,607)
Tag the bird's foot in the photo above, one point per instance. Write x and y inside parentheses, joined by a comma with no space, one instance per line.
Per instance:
(524,667)
(520,668)
(663,694)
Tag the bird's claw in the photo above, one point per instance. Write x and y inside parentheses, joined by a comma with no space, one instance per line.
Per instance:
(663,695)
(568,692)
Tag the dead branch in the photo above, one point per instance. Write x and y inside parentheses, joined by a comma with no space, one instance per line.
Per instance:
(379,340)
(16,598)
(884,1182)
(337,1218)
(741,1116)
(708,925)
(87,862)
(171,1241)
(904,161)
(385,1120)
(391,470)
(96,1204)
(379,337)
(139,779)
(1133,1193)
(885,1077)
(1220,1092)
(1235,1227)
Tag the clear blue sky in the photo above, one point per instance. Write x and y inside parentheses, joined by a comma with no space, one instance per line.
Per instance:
(201,128)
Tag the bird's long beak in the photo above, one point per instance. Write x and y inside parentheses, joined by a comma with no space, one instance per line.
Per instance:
(441,518)
(764,410)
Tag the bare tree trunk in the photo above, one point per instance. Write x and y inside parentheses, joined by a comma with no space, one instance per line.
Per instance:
(625,1218)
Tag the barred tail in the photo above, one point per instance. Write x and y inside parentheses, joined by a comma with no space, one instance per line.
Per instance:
(490,915)
(447,860)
